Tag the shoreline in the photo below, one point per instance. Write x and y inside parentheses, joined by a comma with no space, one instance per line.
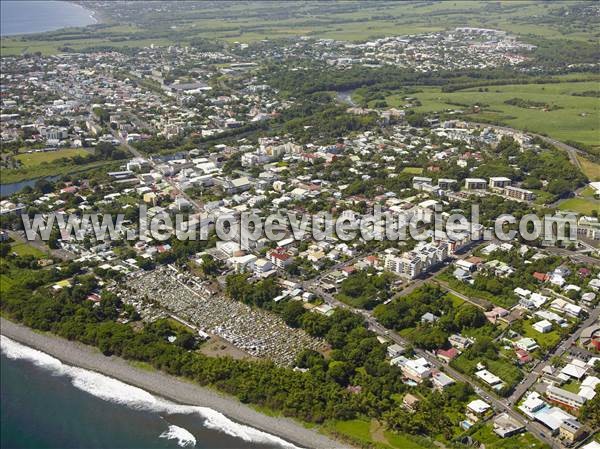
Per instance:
(166,386)
(94,15)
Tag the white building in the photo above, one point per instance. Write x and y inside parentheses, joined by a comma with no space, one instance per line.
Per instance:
(543,326)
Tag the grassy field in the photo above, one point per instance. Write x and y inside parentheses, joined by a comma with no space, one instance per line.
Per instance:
(24,249)
(487,437)
(583,206)
(33,159)
(5,282)
(363,432)
(589,168)
(13,276)
(412,170)
(546,341)
(38,171)
(574,118)
(402,441)
(502,368)
(456,301)
(585,203)
(573,386)
(466,289)
(357,429)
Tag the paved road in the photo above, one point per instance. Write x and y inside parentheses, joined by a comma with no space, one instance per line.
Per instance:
(500,404)
(197,206)
(573,255)
(560,350)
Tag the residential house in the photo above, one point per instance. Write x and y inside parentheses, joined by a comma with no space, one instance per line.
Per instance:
(543,326)
(498,182)
(440,380)
(506,426)
(395,350)
(410,402)
(416,370)
(570,431)
(489,378)
(519,193)
(527,344)
(447,355)
(564,397)
(459,342)
(477,410)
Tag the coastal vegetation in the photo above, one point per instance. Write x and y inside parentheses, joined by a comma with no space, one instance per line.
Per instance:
(318,395)
(555,27)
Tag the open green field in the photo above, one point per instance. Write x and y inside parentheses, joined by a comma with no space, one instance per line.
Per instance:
(412,170)
(456,301)
(584,203)
(503,368)
(583,206)
(5,282)
(573,386)
(10,275)
(546,341)
(402,441)
(368,434)
(24,249)
(39,171)
(589,168)
(573,117)
(357,429)
(33,159)
(487,437)
(466,289)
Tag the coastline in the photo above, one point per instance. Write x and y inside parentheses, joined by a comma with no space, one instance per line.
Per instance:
(166,386)
(95,15)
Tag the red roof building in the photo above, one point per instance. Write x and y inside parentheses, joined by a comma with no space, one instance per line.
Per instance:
(447,355)
(523,356)
(279,257)
(584,272)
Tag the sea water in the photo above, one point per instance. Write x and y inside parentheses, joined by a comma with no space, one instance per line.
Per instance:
(45,403)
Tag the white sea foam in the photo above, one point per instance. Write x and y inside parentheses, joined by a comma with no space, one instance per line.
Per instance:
(184,438)
(113,390)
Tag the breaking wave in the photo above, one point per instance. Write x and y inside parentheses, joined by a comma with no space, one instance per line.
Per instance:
(115,391)
(184,438)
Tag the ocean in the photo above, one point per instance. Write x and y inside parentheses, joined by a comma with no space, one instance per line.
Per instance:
(45,403)
(36,16)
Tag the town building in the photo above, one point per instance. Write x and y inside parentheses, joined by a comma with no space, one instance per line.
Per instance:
(475,184)
(564,397)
